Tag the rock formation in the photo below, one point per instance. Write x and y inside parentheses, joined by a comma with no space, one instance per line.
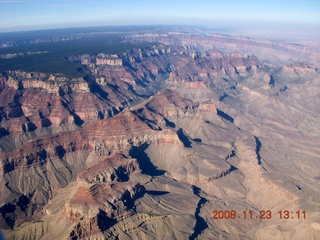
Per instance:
(151,140)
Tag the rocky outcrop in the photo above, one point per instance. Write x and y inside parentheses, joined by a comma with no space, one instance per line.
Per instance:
(279,52)
(50,83)
(105,196)
(164,109)
(206,68)
(208,106)
(39,103)
(154,138)
(112,60)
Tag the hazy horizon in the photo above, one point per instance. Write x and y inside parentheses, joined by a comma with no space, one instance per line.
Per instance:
(284,19)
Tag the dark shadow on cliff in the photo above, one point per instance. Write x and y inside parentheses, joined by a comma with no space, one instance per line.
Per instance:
(201,224)
(197,140)
(3,132)
(105,222)
(144,161)
(183,138)
(15,213)
(258,148)
(225,116)
(169,123)
(157,193)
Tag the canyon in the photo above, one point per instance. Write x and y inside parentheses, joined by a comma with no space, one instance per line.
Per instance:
(150,140)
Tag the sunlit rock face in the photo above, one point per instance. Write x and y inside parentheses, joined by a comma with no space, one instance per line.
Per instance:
(153,139)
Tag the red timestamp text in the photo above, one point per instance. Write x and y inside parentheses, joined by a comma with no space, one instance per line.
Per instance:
(262,214)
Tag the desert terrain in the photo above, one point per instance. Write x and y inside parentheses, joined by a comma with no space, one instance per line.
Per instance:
(176,135)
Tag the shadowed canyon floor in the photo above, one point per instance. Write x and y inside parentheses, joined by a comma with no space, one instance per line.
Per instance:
(152,139)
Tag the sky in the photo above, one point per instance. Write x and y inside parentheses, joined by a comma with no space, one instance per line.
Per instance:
(17,15)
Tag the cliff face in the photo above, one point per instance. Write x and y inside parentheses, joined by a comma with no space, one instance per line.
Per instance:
(36,101)
(157,138)
(59,159)
(107,181)
(267,50)
(39,104)
(112,60)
